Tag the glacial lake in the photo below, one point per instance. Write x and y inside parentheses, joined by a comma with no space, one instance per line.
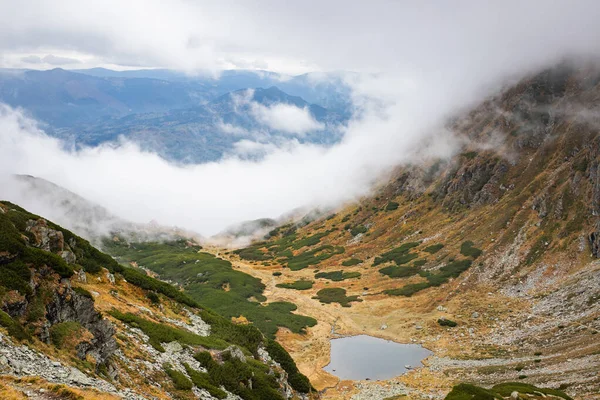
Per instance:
(361,357)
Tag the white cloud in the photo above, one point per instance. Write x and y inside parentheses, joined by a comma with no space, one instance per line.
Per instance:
(58,60)
(286,118)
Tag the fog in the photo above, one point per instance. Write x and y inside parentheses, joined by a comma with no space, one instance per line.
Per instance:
(417,64)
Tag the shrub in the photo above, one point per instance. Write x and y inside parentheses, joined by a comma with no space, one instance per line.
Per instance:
(180,381)
(400,255)
(161,333)
(394,271)
(351,262)
(466,391)
(337,276)
(446,322)
(391,206)
(358,230)
(298,285)
(467,250)
(82,292)
(335,295)
(434,248)
(505,389)
(276,273)
(14,328)
(202,380)
(298,381)
(61,331)
(153,297)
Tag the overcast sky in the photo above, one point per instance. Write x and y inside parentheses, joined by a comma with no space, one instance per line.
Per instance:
(425,59)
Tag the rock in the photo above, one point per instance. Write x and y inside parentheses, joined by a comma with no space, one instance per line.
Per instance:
(514,395)
(46,238)
(235,352)
(441,308)
(68,256)
(81,276)
(475,315)
(110,277)
(383,327)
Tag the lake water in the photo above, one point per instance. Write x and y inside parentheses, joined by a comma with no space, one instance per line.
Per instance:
(361,357)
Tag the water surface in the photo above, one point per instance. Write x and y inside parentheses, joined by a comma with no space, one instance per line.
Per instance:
(367,357)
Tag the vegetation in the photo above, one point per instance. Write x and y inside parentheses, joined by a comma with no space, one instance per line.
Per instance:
(335,295)
(153,297)
(312,257)
(446,322)
(209,281)
(337,276)
(161,333)
(394,271)
(434,248)
(297,285)
(351,262)
(298,381)
(236,375)
(505,389)
(467,250)
(14,328)
(203,381)
(466,391)
(391,206)
(180,381)
(357,230)
(400,255)
(82,292)
(61,331)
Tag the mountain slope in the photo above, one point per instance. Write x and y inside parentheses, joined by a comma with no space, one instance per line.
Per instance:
(502,239)
(79,324)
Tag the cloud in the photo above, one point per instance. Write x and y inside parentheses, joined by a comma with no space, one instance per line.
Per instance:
(31,59)
(286,118)
(57,60)
(416,64)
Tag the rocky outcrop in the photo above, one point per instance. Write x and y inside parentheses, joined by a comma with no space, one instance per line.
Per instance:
(594,240)
(46,238)
(67,305)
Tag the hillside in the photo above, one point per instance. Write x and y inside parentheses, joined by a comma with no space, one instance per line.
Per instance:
(501,239)
(77,324)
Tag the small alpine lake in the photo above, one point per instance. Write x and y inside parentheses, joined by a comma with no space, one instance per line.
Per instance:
(367,357)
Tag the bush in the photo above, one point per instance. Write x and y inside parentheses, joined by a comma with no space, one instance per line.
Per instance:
(161,333)
(358,230)
(400,255)
(298,381)
(391,206)
(434,248)
(351,262)
(153,297)
(467,250)
(180,381)
(202,380)
(61,331)
(276,273)
(298,285)
(446,322)
(465,391)
(505,389)
(337,276)
(335,295)
(14,328)
(82,292)
(394,271)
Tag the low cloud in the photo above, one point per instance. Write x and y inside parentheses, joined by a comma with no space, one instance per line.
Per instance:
(57,60)
(286,118)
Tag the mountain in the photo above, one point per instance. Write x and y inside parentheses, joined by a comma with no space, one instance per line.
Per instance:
(502,240)
(182,118)
(77,324)
(207,132)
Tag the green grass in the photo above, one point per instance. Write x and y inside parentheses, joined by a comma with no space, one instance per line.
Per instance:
(297,285)
(335,295)
(505,389)
(351,262)
(400,255)
(61,331)
(161,333)
(204,278)
(434,248)
(337,276)
(467,250)
(14,327)
(466,391)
